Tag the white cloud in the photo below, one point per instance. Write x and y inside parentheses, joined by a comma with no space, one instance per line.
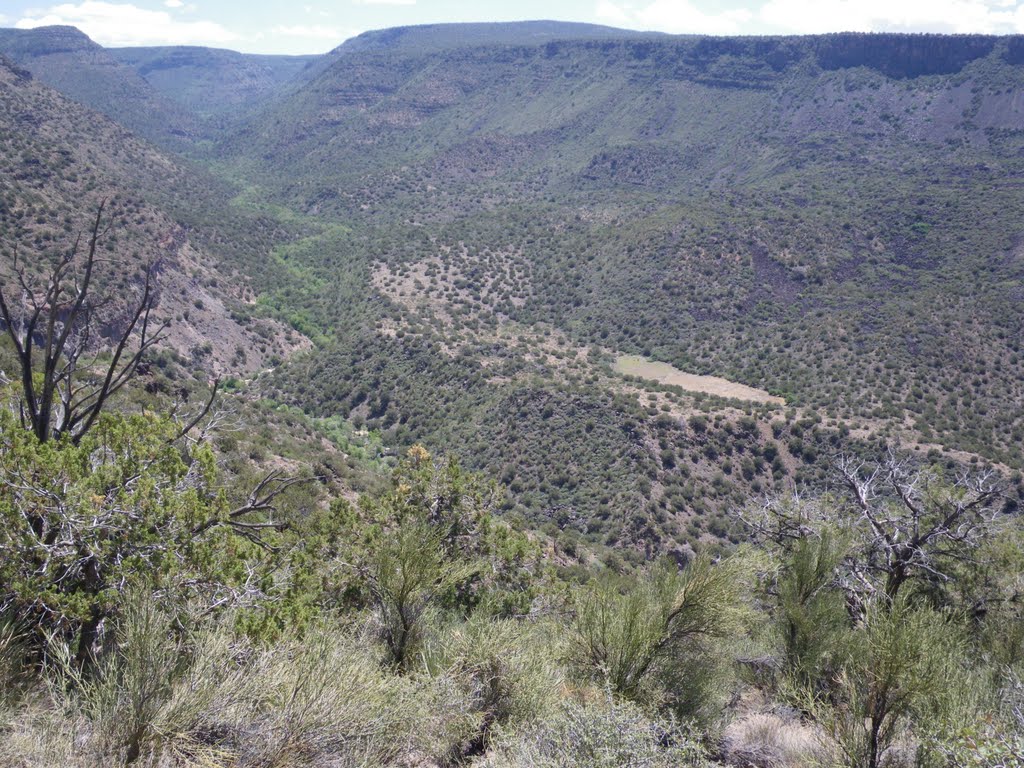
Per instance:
(384,2)
(173,3)
(610,13)
(816,16)
(311,31)
(122,24)
(675,16)
(807,16)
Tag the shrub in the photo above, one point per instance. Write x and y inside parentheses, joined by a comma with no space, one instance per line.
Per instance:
(812,611)
(306,699)
(124,505)
(990,735)
(13,670)
(902,662)
(505,672)
(407,575)
(141,698)
(631,633)
(600,734)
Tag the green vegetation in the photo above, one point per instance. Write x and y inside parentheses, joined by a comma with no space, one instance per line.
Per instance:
(449,637)
(764,215)
(152,612)
(385,494)
(468,235)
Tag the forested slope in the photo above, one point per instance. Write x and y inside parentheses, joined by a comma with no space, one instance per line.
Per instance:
(474,222)
(832,219)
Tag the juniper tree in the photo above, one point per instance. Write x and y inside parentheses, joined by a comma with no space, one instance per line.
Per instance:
(92,500)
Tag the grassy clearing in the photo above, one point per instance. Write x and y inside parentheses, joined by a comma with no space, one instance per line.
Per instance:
(663,373)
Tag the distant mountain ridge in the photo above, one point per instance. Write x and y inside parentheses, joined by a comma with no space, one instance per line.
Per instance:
(44,41)
(179,95)
(213,82)
(894,54)
(174,95)
(434,37)
(69,61)
(403,104)
(484,218)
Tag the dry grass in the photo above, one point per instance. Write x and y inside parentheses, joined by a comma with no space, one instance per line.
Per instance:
(601,733)
(319,700)
(322,699)
(765,740)
(634,365)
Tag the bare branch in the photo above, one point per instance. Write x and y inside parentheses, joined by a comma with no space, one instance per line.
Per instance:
(260,499)
(910,523)
(59,322)
(188,427)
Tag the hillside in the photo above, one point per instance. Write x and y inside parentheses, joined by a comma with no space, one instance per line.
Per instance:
(484,220)
(798,215)
(176,96)
(60,160)
(66,59)
(534,396)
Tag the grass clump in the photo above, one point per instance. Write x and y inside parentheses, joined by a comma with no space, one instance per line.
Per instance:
(602,733)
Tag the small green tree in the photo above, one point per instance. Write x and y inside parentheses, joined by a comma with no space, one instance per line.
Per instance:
(79,522)
(91,502)
(406,577)
(812,614)
(430,542)
(630,632)
(901,661)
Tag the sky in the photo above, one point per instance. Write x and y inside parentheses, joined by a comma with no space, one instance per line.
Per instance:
(315,26)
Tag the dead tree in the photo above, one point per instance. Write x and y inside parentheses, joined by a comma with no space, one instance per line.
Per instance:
(916,524)
(906,523)
(65,383)
(51,328)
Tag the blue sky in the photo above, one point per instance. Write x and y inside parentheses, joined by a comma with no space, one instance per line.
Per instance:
(314,26)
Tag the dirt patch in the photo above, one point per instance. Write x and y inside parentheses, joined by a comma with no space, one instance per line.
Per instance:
(663,373)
